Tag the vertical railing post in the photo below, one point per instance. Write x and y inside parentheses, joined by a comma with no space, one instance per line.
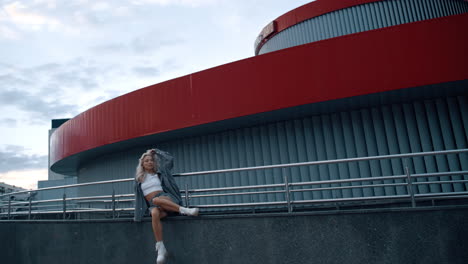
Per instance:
(252,200)
(288,196)
(30,202)
(410,187)
(186,196)
(9,207)
(64,205)
(113,203)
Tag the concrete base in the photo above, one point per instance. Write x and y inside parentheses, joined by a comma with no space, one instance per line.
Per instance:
(383,236)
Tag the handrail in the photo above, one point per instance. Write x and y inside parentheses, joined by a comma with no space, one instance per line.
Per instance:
(68,186)
(286,188)
(439,174)
(350,187)
(84,210)
(380,178)
(323,162)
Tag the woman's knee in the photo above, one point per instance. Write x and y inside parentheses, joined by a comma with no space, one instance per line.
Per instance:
(162,214)
(157,201)
(155,213)
(165,198)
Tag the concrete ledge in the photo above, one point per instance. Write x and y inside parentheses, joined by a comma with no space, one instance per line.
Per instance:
(422,235)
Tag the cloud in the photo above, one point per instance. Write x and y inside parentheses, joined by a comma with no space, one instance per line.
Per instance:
(107,95)
(76,73)
(109,48)
(171,65)
(152,41)
(39,110)
(18,14)
(50,4)
(7,33)
(9,122)
(11,81)
(50,90)
(35,95)
(146,71)
(16,158)
(14,148)
(24,178)
(98,6)
(190,3)
(19,18)
(73,78)
(85,18)
(143,44)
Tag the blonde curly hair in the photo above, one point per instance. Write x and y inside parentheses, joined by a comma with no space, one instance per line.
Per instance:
(140,171)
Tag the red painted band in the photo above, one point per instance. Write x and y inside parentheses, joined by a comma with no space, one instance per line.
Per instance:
(408,55)
(308,11)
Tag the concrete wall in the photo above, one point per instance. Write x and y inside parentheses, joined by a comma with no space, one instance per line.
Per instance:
(383,236)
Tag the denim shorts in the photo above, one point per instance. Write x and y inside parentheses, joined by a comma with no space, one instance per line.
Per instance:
(151,205)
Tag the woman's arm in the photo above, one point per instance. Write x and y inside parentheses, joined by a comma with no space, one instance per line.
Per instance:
(165,159)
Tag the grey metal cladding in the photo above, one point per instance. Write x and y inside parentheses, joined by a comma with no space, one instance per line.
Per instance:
(362,18)
(424,125)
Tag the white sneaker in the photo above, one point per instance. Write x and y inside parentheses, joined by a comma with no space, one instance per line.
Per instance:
(162,253)
(189,211)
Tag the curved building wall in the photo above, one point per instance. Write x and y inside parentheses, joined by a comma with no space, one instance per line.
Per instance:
(361,18)
(373,93)
(370,62)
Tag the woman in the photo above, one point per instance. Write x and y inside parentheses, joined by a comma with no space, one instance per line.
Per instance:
(156,188)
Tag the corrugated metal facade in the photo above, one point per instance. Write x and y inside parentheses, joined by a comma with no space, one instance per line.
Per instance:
(362,18)
(436,124)
(56,194)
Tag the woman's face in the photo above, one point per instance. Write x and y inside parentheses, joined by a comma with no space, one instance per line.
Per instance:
(148,164)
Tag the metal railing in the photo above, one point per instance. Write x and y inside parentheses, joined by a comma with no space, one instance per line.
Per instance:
(63,208)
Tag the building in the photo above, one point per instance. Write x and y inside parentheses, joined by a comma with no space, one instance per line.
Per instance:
(4,201)
(7,188)
(331,80)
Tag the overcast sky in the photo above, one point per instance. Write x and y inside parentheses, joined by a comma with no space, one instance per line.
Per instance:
(59,58)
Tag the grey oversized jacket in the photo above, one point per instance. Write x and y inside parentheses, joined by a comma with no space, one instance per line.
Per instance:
(166,163)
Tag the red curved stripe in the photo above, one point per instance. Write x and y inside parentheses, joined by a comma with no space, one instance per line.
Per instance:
(308,11)
(409,55)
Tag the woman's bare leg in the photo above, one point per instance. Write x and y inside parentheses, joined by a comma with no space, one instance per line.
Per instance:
(156,216)
(166,203)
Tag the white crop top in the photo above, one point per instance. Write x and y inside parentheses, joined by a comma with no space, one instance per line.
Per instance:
(152,183)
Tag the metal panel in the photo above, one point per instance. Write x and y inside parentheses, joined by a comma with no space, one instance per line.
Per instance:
(458,112)
(361,18)
(56,194)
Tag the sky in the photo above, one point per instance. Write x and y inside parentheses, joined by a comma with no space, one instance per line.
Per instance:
(59,58)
